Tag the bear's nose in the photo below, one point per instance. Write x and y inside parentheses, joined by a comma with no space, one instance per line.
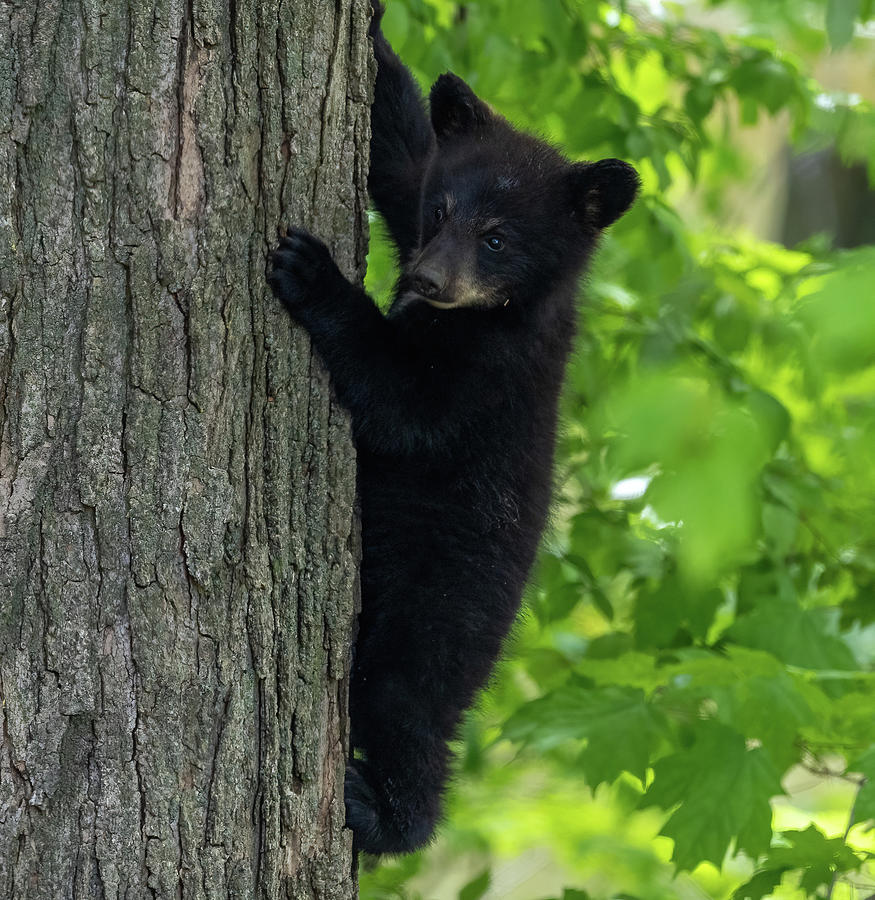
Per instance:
(428,281)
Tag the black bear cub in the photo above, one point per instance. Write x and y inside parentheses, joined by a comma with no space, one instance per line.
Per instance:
(453,399)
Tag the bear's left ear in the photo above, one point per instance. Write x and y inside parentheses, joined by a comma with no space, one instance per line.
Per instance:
(603,190)
(455,109)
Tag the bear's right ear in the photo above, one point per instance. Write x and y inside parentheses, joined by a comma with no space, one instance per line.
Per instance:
(455,109)
(603,190)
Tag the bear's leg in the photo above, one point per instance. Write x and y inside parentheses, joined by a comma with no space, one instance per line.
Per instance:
(393,795)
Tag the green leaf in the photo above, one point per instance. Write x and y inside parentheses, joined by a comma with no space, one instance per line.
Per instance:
(761,885)
(819,857)
(573,894)
(671,605)
(477,887)
(628,669)
(840,18)
(709,452)
(699,100)
(851,719)
(387,882)
(772,711)
(780,525)
(864,806)
(749,691)
(840,315)
(720,790)
(620,726)
(800,637)
(771,416)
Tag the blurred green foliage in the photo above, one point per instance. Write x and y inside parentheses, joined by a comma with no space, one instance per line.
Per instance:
(687,708)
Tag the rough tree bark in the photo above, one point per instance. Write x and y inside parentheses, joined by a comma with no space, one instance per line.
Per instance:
(178,552)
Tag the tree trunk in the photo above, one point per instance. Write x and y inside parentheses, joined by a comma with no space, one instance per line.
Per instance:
(178,549)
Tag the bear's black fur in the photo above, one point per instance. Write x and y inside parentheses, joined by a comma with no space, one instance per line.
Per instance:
(453,399)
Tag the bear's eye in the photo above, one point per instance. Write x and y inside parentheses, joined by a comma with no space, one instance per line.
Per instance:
(438,214)
(494,243)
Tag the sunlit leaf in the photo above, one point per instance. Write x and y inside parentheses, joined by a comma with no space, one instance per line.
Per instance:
(720,791)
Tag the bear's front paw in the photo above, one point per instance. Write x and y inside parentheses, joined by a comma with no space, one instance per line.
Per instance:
(301,269)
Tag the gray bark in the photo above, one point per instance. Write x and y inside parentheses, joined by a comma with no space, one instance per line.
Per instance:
(178,548)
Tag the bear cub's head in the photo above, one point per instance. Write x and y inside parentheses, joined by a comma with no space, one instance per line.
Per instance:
(504,218)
